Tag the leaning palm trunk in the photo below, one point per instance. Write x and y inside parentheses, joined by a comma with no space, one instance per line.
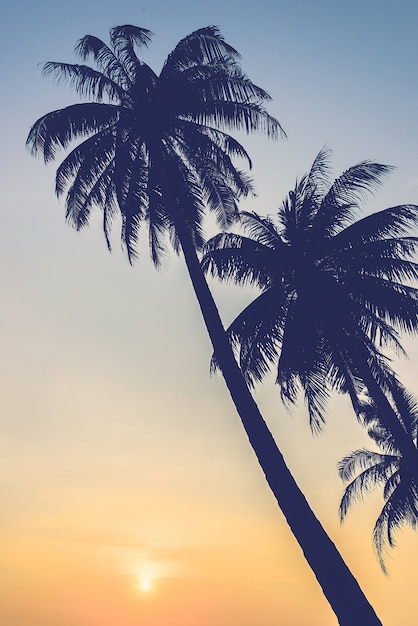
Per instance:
(337,582)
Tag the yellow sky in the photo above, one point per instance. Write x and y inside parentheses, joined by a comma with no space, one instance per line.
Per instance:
(109,477)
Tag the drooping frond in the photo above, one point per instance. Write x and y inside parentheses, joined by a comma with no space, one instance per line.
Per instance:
(364,470)
(85,80)
(386,258)
(399,509)
(219,83)
(221,182)
(88,192)
(157,233)
(97,149)
(131,186)
(248,117)
(130,179)
(393,303)
(59,128)
(199,139)
(110,211)
(385,225)
(217,196)
(262,229)
(104,57)
(407,407)
(316,393)
(229,257)
(256,338)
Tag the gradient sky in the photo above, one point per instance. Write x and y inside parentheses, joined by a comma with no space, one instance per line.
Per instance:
(122,463)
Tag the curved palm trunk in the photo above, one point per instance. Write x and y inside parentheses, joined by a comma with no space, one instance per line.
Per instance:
(338,584)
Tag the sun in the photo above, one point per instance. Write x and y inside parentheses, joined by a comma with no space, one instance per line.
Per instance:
(145,584)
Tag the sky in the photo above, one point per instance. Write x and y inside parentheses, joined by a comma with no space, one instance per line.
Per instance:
(128,491)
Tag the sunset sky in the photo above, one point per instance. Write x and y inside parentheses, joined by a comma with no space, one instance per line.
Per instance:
(129,494)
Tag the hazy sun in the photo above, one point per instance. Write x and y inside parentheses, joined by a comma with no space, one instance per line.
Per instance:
(145,584)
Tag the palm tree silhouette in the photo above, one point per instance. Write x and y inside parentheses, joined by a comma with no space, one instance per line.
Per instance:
(154,148)
(334,291)
(364,470)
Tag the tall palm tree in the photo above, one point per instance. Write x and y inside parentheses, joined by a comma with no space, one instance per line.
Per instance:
(364,470)
(155,149)
(334,292)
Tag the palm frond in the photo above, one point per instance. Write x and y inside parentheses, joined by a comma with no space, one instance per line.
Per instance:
(389,223)
(407,407)
(97,150)
(342,201)
(218,84)
(59,128)
(229,257)
(104,57)
(313,188)
(365,470)
(85,80)
(316,393)
(237,116)
(210,143)
(91,187)
(263,230)
(110,210)
(257,336)
(386,258)
(396,512)
(203,46)
(394,303)
(301,346)
(360,461)
(123,40)
(221,182)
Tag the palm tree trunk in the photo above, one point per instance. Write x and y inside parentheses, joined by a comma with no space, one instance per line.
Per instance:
(337,582)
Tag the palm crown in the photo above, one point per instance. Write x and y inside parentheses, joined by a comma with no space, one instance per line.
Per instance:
(333,288)
(153,146)
(364,470)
